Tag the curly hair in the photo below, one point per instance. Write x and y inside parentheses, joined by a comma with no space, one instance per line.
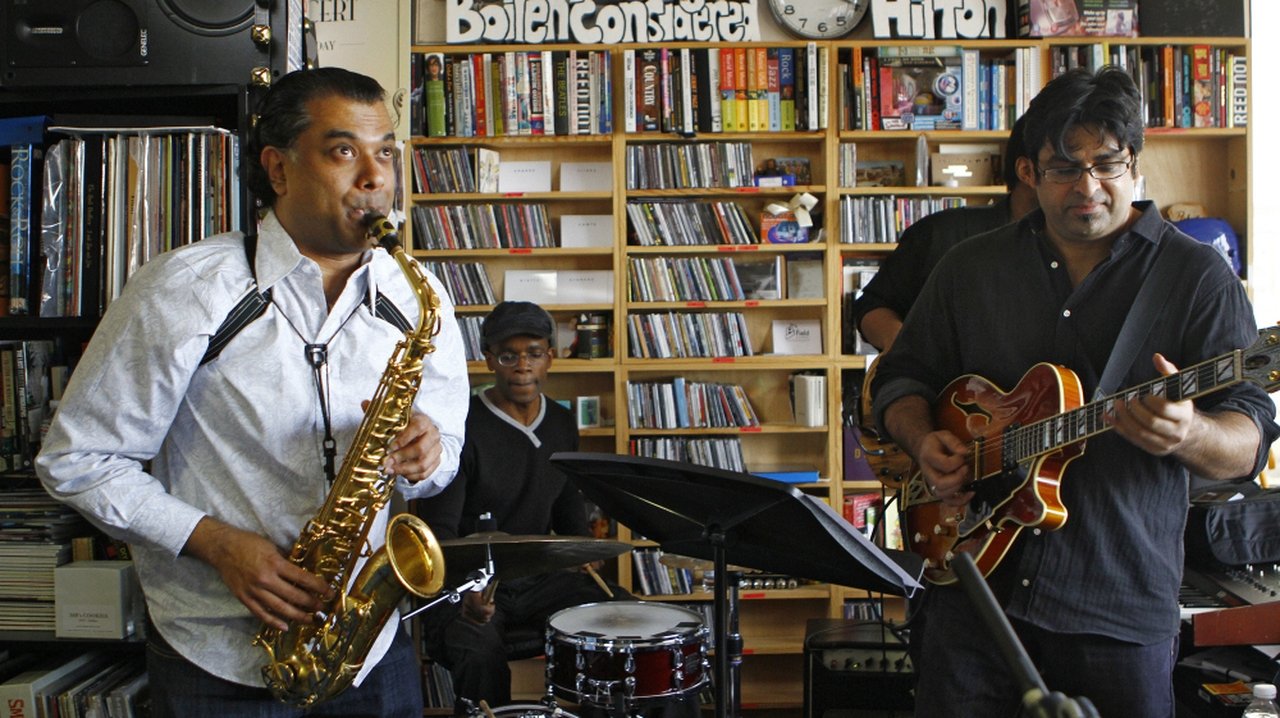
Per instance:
(282,116)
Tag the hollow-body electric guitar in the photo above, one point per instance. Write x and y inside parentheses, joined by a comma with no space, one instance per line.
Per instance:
(1022,441)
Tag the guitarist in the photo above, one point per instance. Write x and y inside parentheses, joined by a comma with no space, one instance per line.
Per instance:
(1095,602)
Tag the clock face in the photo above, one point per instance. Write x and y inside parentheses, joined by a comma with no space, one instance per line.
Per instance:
(819,19)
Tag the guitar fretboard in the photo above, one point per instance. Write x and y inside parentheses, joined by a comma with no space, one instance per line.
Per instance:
(1048,435)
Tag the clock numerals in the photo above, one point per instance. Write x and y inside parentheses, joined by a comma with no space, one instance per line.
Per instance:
(818,19)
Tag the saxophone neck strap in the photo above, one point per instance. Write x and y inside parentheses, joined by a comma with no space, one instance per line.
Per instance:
(256,301)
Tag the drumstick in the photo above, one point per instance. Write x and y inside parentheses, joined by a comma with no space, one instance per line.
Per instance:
(489,590)
(484,706)
(599,581)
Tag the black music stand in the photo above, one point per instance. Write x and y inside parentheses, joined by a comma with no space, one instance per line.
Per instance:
(732,518)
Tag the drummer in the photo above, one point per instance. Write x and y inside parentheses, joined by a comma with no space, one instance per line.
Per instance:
(512,429)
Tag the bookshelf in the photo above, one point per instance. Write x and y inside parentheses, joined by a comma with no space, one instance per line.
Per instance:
(773,620)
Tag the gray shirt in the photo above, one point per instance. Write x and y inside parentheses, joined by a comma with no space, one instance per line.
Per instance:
(238,439)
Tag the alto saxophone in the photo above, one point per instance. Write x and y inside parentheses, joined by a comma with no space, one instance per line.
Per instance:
(312,662)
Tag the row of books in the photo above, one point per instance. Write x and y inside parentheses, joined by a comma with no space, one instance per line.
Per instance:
(655,578)
(466,282)
(470,327)
(718,452)
(857,274)
(28,380)
(1182,86)
(683,335)
(695,165)
(683,404)
(36,534)
(447,169)
(728,89)
(881,219)
(511,93)
(482,226)
(94,684)
(87,210)
(675,223)
(934,87)
(437,686)
(685,279)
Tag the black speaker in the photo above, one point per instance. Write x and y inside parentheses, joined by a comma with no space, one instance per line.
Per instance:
(61,43)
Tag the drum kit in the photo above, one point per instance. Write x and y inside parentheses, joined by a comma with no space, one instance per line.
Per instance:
(620,657)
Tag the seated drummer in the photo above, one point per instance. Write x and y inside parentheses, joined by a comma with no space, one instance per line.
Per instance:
(512,430)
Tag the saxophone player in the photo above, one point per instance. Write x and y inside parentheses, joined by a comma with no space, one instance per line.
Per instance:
(210,466)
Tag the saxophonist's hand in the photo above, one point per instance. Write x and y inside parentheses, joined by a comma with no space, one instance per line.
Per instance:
(415,453)
(258,574)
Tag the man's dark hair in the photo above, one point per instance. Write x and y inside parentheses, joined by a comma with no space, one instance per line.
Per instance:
(1107,101)
(1013,149)
(282,116)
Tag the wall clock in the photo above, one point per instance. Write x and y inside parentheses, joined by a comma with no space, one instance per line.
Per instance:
(819,19)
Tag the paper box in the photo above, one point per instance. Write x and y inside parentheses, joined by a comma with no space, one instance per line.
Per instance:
(956,170)
(519,177)
(782,229)
(97,599)
(1077,18)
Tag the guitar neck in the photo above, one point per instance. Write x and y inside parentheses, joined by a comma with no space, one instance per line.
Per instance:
(1049,435)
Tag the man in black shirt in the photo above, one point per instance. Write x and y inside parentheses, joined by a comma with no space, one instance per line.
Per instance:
(880,308)
(512,430)
(1095,602)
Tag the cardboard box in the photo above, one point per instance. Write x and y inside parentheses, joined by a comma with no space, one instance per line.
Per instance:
(97,599)
(960,170)
(782,229)
(1077,18)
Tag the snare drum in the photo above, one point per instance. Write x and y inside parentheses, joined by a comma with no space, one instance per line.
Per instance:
(640,651)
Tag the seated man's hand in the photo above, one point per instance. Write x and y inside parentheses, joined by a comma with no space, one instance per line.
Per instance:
(475,608)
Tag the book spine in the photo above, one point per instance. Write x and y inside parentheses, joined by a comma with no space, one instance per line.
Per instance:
(630,97)
(537,122)
(23,160)
(1239,116)
(728,90)
(970,108)
(648,92)
(435,96)
(786,89)
(773,91)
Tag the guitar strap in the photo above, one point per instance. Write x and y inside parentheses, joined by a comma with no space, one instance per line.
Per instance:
(1158,285)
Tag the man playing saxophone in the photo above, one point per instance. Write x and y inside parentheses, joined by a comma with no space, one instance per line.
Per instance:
(211,466)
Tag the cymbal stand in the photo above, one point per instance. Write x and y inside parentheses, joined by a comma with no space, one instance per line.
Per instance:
(728,660)
(477,580)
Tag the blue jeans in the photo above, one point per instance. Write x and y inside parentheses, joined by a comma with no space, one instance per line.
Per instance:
(962,672)
(180,689)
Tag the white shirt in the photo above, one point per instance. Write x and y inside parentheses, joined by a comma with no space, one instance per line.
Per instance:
(240,438)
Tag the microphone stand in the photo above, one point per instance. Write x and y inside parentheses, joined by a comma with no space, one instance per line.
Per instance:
(1037,701)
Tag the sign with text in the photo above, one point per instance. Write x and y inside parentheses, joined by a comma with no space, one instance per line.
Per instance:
(591,23)
(935,19)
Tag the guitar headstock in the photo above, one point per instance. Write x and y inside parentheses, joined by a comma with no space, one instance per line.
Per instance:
(1260,363)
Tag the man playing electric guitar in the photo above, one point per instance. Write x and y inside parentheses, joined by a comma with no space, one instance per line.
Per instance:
(1094,601)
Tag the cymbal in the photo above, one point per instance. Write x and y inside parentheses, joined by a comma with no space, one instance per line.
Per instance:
(517,555)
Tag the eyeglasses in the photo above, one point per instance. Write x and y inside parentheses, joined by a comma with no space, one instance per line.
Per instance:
(513,358)
(1100,171)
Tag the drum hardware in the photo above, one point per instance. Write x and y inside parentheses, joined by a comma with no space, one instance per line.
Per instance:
(477,580)
(483,558)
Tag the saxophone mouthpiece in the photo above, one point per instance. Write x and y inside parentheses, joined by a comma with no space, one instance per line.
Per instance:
(382,231)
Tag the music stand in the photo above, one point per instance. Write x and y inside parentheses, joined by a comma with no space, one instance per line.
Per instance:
(727,517)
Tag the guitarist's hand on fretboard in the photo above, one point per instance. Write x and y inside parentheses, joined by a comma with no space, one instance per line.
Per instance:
(1152,422)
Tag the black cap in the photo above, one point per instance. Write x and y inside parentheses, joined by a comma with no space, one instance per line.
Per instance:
(511,319)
